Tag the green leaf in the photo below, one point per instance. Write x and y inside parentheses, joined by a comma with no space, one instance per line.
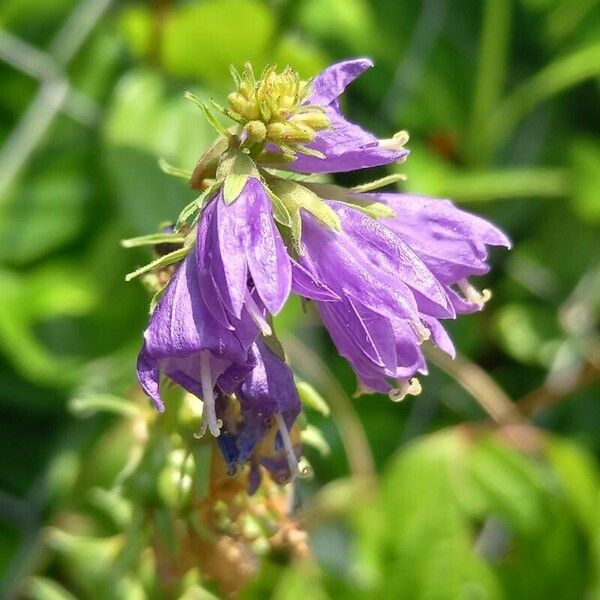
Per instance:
(312,436)
(168,169)
(41,588)
(153,238)
(238,171)
(159,263)
(280,211)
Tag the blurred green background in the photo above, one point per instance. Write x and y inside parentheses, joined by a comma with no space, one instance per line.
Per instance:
(501,100)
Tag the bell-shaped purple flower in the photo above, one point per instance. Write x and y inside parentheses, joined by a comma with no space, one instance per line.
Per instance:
(187,344)
(242,260)
(344,145)
(390,294)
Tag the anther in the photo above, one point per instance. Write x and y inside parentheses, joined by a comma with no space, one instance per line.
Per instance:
(412,388)
(473,295)
(422,333)
(396,142)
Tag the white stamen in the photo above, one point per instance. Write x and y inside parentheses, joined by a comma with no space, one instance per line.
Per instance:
(290,455)
(256,315)
(422,333)
(209,415)
(473,295)
(396,142)
(405,388)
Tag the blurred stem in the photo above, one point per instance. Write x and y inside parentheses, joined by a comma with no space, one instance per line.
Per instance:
(547,396)
(505,184)
(557,77)
(491,74)
(488,394)
(356,445)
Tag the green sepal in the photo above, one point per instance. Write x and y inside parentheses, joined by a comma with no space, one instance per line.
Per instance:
(214,122)
(159,263)
(152,239)
(378,183)
(295,195)
(275,158)
(280,211)
(308,151)
(156,299)
(311,398)
(169,169)
(376,210)
(236,167)
(207,164)
(196,205)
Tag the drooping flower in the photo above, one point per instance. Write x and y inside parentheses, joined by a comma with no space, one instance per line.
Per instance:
(187,344)
(391,294)
(383,269)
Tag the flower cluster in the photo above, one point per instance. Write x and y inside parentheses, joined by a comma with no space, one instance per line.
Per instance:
(382,269)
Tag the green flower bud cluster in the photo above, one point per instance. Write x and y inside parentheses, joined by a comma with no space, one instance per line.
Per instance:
(272,108)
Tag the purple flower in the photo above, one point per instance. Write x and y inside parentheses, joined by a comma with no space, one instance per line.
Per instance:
(391,294)
(345,146)
(187,344)
(242,260)
(266,398)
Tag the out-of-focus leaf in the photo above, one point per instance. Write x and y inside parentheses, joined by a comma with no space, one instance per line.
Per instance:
(40,588)
(43,214)
(529,334)
(586,179)
(56,290)
(348,21)
(461,512)
(203,39)
(144,125)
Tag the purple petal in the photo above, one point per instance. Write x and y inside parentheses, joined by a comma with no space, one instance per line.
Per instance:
(331,82)
(227,256)
(181,324)
(346,146)
(389,253)
(305,284)
(149,377)
(339,261)
(267,257)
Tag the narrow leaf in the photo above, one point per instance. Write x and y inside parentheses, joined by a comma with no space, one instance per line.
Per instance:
(165,167)
(378,183)
(159,263)
(153,238)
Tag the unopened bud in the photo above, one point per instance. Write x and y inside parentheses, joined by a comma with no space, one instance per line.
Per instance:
(256,131)
(243,106)
(316,120)
(289,133)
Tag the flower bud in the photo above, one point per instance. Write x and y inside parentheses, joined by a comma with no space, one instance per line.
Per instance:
(256,131)
(289,133)
(316,120)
